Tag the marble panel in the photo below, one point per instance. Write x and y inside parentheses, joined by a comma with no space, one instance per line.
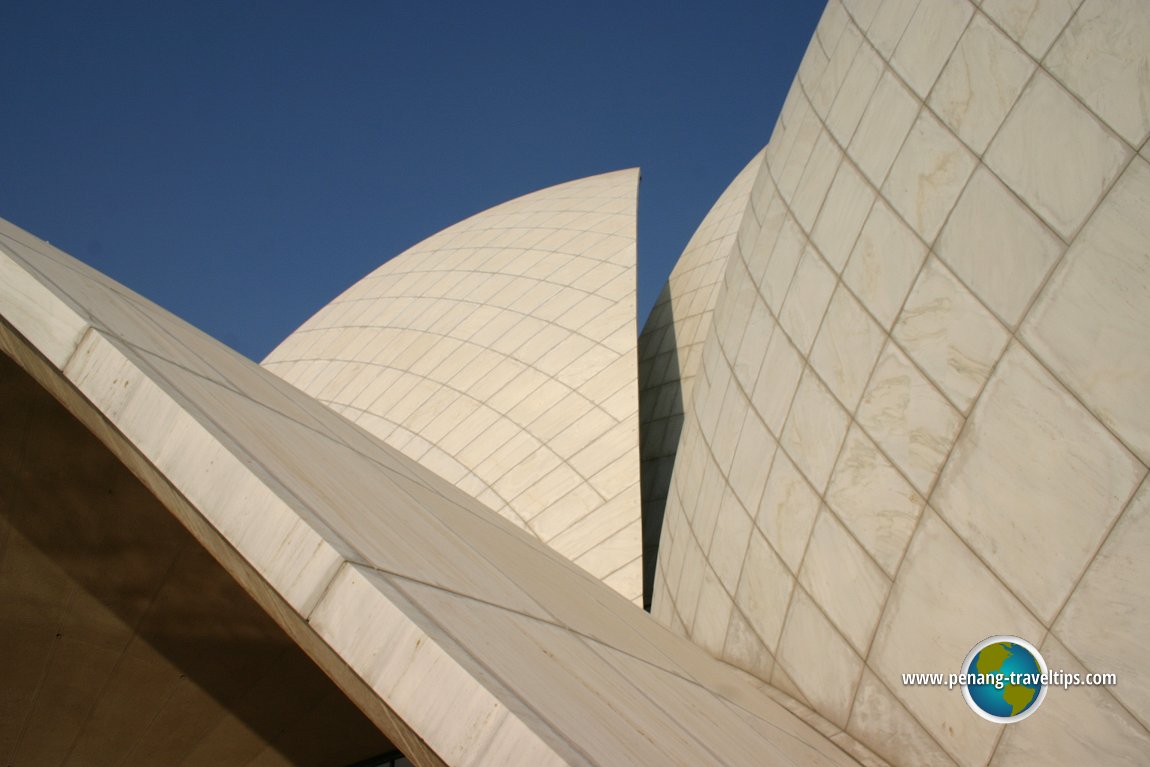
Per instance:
(997,246)
(1031,154)
(1035,479)
(1092,322)
(980,84)
(1103,57)
(951,336)
(908,418)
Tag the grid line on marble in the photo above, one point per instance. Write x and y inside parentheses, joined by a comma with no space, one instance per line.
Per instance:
(692,531)
(782,448)
(1049,273)
(800,86)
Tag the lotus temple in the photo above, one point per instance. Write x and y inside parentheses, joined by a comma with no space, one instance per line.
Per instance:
(894,400)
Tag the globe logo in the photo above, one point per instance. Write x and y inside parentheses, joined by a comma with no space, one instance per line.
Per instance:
(1007,679)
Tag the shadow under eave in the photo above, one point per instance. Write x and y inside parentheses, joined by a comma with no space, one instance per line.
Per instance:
(123,639)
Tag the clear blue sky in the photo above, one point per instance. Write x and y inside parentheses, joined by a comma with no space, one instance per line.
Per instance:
(241,162)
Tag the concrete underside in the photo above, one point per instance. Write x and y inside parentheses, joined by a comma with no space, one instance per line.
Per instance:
(124,641)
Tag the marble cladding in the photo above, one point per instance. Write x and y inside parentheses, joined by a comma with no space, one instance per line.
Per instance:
(952,339)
